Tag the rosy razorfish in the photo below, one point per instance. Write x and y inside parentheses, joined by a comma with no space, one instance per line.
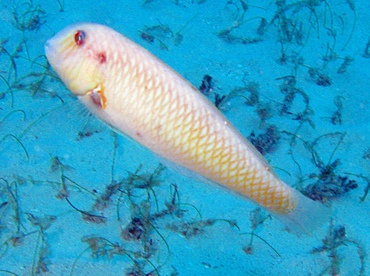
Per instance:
(138,95)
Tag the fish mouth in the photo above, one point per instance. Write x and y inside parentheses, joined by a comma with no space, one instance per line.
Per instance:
(51,52)
(49,49)
(52,45)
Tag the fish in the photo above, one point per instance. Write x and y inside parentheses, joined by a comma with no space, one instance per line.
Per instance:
(141,97)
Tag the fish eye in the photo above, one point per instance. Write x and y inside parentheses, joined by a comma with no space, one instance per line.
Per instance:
(80,37)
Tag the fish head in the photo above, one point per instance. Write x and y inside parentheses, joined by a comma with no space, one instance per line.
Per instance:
(77,55)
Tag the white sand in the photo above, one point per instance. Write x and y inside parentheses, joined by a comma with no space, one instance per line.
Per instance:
(38,228)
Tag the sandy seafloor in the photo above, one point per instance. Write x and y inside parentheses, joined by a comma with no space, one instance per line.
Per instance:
(56,162)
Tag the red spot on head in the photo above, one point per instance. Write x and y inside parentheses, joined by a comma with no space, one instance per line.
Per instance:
(80,37)
(102,57)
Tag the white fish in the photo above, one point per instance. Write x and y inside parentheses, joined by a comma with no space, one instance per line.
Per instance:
(134,92)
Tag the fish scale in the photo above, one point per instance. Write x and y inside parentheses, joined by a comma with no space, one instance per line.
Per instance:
(139,96)
(219,152)
(188,146)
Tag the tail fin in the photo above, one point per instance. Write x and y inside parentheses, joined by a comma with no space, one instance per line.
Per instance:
(308,216)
